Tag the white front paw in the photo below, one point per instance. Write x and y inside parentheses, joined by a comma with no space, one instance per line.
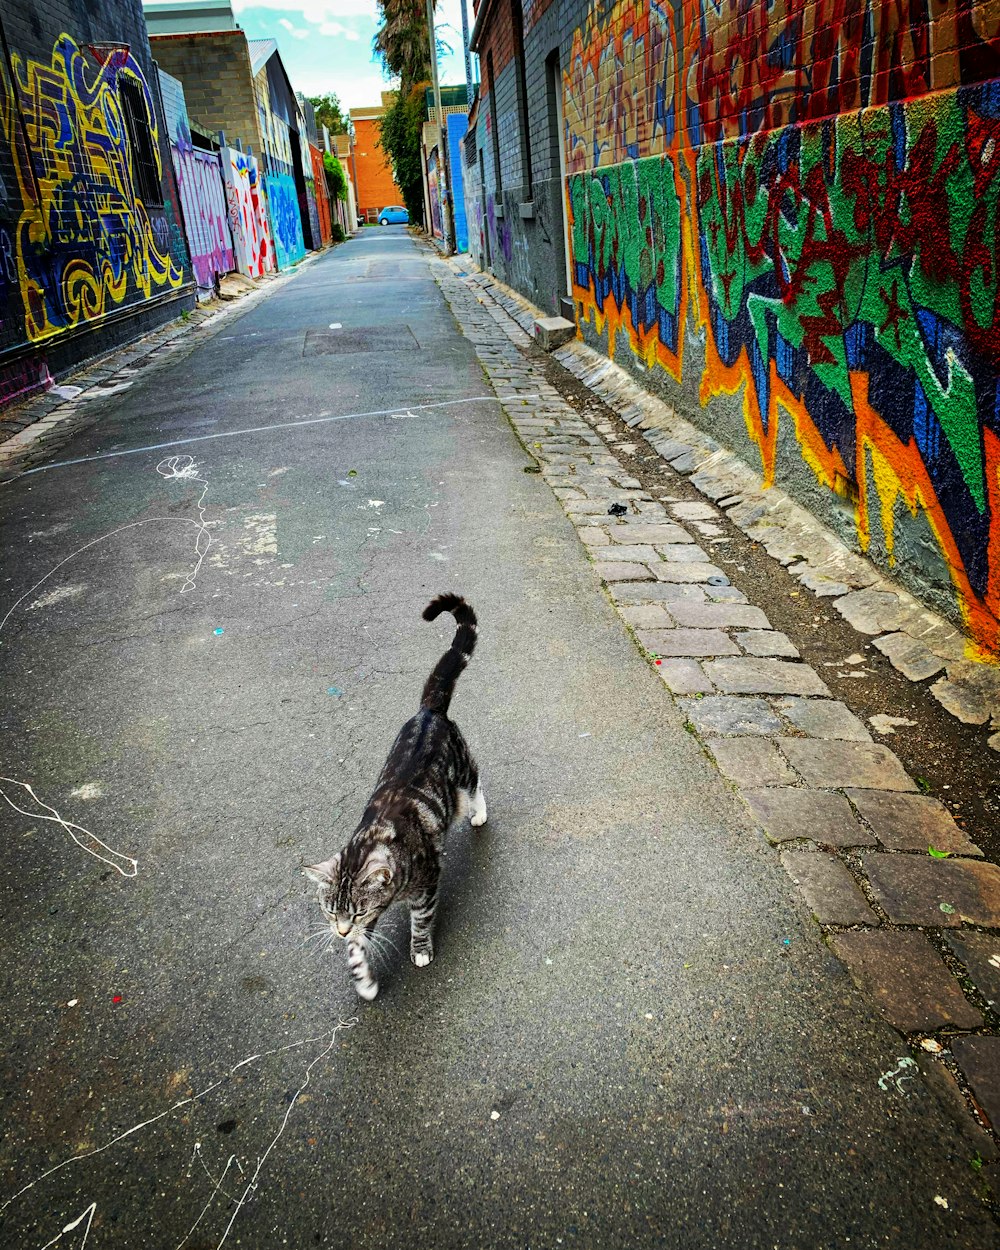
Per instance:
(478,819)
(421,959)
(367,989)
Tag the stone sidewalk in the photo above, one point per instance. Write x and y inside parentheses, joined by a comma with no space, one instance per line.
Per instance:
(901,894)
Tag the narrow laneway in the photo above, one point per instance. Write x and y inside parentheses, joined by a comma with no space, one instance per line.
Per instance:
(631,1035)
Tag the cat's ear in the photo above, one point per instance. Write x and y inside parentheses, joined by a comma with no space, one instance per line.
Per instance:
(326,873)
(377,872)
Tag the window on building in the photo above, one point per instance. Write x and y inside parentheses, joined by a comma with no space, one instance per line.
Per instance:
(145,167)
(522,98)
(491,85)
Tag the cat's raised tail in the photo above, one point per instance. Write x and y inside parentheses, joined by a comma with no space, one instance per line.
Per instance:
(441,683)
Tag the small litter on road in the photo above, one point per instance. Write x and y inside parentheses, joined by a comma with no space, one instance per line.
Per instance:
(494,1115)
(336,325)
(72,1002)
(219,630)
(617,509)
(586,735)
(335,691)
(936,854)
(931,1045)
(376,503)
(899,1074)
(116,998)
(942,1202)
(947,909)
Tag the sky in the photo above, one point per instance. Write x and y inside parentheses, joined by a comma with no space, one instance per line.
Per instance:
(326,45)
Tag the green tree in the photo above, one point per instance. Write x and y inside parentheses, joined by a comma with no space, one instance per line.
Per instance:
(330,114)
(401,42)
(402,45)
(336,179)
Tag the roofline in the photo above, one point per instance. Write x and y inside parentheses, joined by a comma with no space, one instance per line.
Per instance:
(477,26)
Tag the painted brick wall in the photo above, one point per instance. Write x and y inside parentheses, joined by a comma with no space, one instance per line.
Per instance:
(90,250)
(784,217)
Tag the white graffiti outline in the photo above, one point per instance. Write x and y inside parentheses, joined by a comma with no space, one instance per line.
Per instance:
(90,1211)
(899,1074)
(184,1102)
(172,468)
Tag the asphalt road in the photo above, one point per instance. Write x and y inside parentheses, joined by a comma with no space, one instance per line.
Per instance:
(631,1035)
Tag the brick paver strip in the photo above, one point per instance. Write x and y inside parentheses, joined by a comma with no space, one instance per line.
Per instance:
(766,642)
(643,532)
(613,571)
(750,761)
(912,888)
(731,714)
(707,615)
(684,676)
(750,675)
(814,814)
(677,552)
(696,642)
(667,571)
(836,765)
(979,1059)
(633,554)
(647,616)
(976,951)
(911,822)
(823,718)
(828,888)
(906,977)
(654,592)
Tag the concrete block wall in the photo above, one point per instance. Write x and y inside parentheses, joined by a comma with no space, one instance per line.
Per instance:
(218,83)
(784,218)
(86,248)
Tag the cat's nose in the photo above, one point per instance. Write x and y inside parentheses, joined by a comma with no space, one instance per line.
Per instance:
(343,927)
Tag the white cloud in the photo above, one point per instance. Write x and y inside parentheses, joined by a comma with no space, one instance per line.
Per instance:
(315,11)
(337,31)
(298,31)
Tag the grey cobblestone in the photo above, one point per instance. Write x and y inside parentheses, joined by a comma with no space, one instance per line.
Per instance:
(721,616)
(815,815)
(911,822)
(730,714)
(828,888)
(750,761)
(638,554)
(750,675)
(839,765)
(768,642)
(693,642)
(824,718)
(918,890)
(684,676)
(695,572)
(621,571)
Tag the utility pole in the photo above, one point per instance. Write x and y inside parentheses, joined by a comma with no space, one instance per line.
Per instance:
(446,205)
(468,54)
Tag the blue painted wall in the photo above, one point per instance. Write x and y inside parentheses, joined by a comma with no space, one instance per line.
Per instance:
(286,223)
(457,126)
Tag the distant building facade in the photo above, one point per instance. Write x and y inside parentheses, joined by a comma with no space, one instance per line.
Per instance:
(373,178)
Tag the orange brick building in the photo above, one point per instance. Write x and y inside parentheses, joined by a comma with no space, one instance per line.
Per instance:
(376,188)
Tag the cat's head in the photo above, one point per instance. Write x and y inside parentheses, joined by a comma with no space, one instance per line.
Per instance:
(354,895)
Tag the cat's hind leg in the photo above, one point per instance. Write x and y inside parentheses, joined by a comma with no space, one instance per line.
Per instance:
(477,805)
(422,910)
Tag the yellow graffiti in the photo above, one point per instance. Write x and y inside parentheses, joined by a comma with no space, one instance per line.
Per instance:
(84,238)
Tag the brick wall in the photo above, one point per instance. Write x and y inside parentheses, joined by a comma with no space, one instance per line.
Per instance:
(89,251)
(376,187)
(784,217)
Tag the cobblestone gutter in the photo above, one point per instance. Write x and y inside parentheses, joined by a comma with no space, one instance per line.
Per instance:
(902,896)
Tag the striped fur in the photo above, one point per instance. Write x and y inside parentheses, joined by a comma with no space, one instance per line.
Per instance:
(428,782)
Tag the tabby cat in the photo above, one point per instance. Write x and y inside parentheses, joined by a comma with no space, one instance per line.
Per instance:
(429,781)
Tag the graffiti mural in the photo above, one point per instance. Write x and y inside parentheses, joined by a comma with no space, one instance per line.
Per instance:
(251,234)
(85,241)
(434,194)
(322,195)
(809,195)
(286,223)
(198,175)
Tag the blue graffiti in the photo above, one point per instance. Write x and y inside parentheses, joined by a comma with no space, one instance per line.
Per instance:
(286,224)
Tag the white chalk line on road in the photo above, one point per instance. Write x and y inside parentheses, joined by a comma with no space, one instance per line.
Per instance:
(323,419)
(174,468)
(252,1186)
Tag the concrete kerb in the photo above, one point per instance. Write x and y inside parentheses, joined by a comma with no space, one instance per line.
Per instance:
(37,420)
(818,787)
